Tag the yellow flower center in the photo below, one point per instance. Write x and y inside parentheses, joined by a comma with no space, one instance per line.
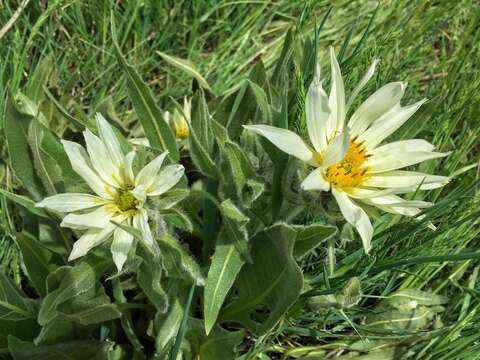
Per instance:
(125,201)
(349,172)
(181,132)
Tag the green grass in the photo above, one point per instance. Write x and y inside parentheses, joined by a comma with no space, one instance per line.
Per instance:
(434,46)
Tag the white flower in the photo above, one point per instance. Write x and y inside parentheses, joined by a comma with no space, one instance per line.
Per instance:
(120,195)
(350,160)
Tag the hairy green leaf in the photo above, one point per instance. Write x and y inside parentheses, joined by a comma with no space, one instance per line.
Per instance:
(156,129)
(270,285)
(39,262)
(226,264)
(16,133)
(70,282)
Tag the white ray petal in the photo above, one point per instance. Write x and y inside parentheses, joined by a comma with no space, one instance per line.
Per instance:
(168,178)
(69,202)
(130,177)
(365,193)
(97,218)
(355,216)
(406,179)
(337,96)
(140,193)
(82,166)
(315,181)
(317,114)
(147,175)
(379,103)
(285,140)
(100,160)
(110,140)
(405,211)
(399,147)
(361,84)
(90,239)
(378,164)
(336,149)
(140,222)
(397,201)
(121,245)
(388,124)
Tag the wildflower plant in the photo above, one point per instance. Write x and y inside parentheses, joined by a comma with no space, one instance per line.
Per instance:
(181,244)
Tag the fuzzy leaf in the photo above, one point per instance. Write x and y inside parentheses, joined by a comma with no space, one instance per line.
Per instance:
(156,129)
(225,266)
(235,227)
(178,263)
(201,157)
(270,285)
(25,202)
(46,167)
(149,277)
(16,130)
(70,282)
(14,306)
(39,262)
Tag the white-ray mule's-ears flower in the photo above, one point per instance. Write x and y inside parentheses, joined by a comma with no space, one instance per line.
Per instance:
(348,156)
(120,195)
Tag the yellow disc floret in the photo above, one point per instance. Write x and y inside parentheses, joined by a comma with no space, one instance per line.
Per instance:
(349,172)
(181,131)
(125,201)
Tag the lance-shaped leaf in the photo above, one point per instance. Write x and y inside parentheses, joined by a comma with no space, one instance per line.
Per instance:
(149,276)
(270,285)
(16,133)
(39,262)
(93,311)
(39,78)
(262,102)
(178,263)
(158,132)
(187,66)
(201,120)
(225,266)
(25,202)
(17,313)
(236,227)
(46,167)
(68,282)
(241,170)
(166,326)
(14,305)
(201,157)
